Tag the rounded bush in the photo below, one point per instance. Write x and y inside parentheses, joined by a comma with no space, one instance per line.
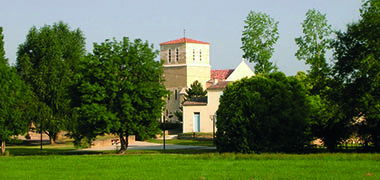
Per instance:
(265,113)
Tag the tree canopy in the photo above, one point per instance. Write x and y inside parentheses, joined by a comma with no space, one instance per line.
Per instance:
(119,90)
(15,101)
(357,66)
(259,36)
(195,90)
(47,61)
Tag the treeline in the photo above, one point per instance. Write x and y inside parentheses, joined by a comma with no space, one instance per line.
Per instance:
(335,101)
(57,86)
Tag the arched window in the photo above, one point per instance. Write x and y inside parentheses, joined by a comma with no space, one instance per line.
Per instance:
(200,55)
(170,56)
(176,54)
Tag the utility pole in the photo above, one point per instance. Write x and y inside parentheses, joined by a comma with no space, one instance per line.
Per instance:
(164,133)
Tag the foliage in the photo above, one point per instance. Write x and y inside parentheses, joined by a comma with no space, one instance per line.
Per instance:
(3,60)
(265,113)
(47,62)
(258,38)
(195,90)
(314,43)
(119,89)
(328,121)
(15,101)
(357,66)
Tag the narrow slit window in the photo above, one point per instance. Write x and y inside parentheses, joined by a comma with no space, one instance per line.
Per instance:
(200,55)
(194,55)
(170,56)
(177,54)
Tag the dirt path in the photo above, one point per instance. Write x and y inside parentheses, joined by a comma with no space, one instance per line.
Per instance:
(141,145)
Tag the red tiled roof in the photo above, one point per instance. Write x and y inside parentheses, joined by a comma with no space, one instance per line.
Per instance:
(184,40)
(221,74)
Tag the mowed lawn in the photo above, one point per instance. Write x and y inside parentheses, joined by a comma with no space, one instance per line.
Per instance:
(192,166)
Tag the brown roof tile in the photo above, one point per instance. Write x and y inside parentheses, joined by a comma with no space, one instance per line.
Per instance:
(184,40)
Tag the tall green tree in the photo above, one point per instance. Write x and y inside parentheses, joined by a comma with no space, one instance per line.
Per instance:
(357,66)
(314,43)
(119,90)
(328,121)
(2,51)
(195,90)
(259,36)
(47,61)
(15,101)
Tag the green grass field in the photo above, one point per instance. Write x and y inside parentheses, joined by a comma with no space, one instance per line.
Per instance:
(63,161)
(192,166)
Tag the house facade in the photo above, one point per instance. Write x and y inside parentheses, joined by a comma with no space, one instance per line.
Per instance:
(185,61)
(200,115)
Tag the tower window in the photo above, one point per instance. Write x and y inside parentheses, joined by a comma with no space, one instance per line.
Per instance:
(176,94)
(194,55)
(200,55)
(170,56)
(176,54)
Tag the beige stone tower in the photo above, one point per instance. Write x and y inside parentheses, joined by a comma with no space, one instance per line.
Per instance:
(185,60)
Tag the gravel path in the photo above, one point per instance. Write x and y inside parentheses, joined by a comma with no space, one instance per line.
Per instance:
(141,145)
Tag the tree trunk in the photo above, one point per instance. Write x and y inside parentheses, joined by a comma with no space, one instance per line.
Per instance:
(123,143)
(2,147)
(52,137)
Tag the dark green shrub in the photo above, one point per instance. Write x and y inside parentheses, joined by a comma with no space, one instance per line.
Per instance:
(265,113)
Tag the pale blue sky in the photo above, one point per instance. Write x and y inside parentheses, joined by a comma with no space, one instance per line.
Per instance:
(218,22)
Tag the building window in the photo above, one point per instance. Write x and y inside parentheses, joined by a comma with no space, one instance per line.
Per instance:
(170,56)
(197,122)
(194,55)
(176,94)
(176,54)
(200,55)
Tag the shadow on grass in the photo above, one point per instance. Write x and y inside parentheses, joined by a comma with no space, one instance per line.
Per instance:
(25,151)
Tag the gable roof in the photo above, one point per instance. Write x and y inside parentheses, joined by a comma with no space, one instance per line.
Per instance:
(241,71)
(221,74)
(184,40)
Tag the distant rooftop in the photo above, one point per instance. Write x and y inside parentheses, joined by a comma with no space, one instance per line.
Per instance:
(221,74)
(219,85)
(196,101)
(184,40)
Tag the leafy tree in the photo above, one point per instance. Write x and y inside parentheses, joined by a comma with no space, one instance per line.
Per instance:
(119,90)
(314,43)
(47,61)
(357,54)
(258,38)
(3,60)
(265,113)
(15,104)
(195,90)
(328,121)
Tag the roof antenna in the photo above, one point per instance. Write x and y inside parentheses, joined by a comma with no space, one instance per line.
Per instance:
(184,33)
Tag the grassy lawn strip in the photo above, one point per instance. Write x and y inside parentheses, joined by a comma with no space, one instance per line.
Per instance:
(198,166)
(189,142)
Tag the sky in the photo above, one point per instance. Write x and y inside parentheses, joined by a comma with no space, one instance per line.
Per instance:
(218,22)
